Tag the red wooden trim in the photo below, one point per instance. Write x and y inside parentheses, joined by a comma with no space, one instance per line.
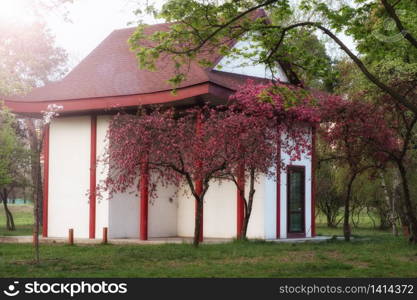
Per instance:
(240,200)
(93,163)
(106,103)
(278,171)
(199,182)
(144,199)
(313,182)
(302,169)
(45,181)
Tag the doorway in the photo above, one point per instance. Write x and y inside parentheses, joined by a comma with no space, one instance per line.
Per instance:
(296,201)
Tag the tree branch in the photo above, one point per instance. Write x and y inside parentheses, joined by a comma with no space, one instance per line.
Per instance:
(355,59)
(391,12)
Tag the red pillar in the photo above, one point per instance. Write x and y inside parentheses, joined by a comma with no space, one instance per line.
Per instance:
(199,182)
(278,171)
(45,181)
(313,181)
(93,163)
(144,199)
(240,199)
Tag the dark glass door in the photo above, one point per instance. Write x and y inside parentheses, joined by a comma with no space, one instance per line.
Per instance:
(295,199)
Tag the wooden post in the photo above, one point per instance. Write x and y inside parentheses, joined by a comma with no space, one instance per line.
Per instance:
(71,236)
(105,230)
(144,199)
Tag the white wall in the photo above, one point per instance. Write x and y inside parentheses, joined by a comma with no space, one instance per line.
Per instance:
(220,210)
(102,205)
(124,212)
(69,176)
(186,213)
(245,66)
(162,213)
(270,211)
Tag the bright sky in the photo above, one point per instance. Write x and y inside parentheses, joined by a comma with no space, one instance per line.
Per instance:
(91,21)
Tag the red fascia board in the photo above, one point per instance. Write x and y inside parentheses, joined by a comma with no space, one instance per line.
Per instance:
(107,103)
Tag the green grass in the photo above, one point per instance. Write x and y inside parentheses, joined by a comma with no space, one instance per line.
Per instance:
(23,218)
(378,256)
(372,253)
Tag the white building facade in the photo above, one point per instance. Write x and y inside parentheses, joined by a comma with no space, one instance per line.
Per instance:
(74,142)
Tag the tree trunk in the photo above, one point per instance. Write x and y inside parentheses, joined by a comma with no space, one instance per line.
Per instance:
(35,147)
(391,204)
(197,227)
(409,208)
(248,206)
(330,221)
(10,226)
(346,225)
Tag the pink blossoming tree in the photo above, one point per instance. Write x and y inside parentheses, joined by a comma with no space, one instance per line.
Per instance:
(359,137)
(194,146)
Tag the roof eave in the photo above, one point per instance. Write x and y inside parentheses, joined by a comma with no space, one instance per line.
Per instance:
(102,104)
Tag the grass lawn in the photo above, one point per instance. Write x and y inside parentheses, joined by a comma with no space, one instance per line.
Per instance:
(372,254)
(23,218)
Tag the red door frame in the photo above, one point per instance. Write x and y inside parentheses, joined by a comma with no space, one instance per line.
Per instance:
(301,169)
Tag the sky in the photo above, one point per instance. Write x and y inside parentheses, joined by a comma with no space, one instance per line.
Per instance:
(89,22)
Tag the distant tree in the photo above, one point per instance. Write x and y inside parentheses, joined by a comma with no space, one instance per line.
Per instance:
(329,199)
(29,58)
(401,73)
(360,136)
(13,161)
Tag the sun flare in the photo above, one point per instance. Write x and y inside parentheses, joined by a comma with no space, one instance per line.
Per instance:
(16,11)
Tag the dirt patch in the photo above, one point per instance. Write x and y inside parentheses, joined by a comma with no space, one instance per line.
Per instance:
(336,255)
(21,208)
(33,262)
(298,256)
(359,264)
(333,255)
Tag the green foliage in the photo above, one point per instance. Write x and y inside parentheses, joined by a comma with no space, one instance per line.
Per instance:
(12,151)
(207,26)
(28,57)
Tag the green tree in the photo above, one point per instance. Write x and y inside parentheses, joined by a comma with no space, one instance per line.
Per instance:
(29,58)
(200,26)
(13,160)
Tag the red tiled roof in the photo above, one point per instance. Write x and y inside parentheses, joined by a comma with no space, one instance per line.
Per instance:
(112,70)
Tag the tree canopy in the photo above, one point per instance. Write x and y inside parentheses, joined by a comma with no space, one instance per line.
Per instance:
(199,26)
